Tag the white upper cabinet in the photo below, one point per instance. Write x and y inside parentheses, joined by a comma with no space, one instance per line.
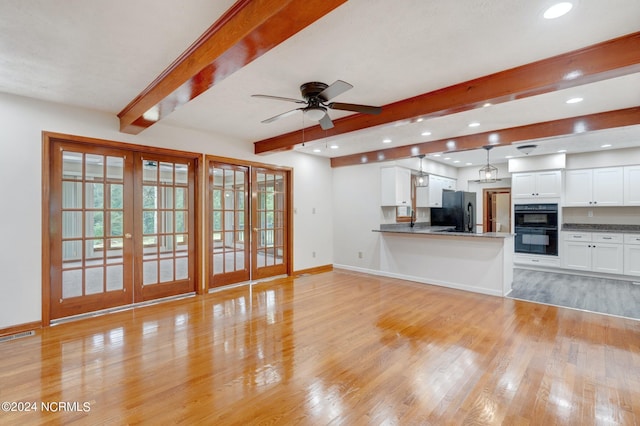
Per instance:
(578,188)
(395,186)
(632,186)
(594,187)
(436,185)
(546,184)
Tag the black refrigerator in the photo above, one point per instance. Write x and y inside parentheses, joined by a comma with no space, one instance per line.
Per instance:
(458,209)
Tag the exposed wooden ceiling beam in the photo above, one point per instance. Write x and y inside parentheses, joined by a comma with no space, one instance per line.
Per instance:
(548,129)
(613,58)
(246,31)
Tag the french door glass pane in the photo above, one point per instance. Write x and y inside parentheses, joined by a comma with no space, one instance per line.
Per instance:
(72,165)
(71,283)
(94,167)
(71,224)
(182,174)
(115,169)
(72,195)
(94,280)
(114,278)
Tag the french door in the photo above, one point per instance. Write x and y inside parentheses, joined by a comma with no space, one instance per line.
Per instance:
(121,227)
(269,222)
(229,220)
(248,222)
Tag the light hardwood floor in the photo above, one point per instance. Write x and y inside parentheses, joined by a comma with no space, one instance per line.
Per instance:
(331,348)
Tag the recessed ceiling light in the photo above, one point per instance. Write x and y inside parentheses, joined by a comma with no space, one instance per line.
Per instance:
(488,104)
(436,155)
(418,120)
(468,164)
(334,147)
(557,10)
(456,161)
(317,150)
(574,100)
(508,156)
(447,158)
(387,140)
(606,145)
(562,150)
(427,133)
(474,124)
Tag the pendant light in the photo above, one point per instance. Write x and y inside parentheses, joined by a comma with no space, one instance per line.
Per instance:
(488,173)
(422,178)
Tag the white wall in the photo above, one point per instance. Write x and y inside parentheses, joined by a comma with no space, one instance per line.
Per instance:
(356,213)
(22,121)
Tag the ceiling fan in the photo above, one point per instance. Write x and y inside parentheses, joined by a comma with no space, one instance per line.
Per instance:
(317,96)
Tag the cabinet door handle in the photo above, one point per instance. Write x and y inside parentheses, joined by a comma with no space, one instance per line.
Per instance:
(607,238)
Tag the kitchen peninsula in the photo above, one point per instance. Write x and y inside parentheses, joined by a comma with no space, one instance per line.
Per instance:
(477,262)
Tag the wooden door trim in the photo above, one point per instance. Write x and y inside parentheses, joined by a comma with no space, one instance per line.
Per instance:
(48,139)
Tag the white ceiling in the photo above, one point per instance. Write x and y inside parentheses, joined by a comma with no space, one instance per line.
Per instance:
(100,55)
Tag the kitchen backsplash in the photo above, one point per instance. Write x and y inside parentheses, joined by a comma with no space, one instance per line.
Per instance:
(602,215)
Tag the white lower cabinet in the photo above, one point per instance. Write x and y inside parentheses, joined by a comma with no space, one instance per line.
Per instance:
(576,255)
(585,251)
(607,258)
(632,254)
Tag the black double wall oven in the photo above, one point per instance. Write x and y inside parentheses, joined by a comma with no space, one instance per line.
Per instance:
(536,228)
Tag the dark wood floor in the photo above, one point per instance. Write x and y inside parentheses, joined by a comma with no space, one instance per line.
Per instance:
(332,348)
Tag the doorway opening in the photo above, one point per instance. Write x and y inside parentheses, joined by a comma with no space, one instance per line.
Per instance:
(497,209)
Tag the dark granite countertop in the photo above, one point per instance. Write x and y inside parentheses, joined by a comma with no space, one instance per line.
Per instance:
(422,228)
(584,227)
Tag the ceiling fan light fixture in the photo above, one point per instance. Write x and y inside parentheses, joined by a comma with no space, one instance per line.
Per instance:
(315,113)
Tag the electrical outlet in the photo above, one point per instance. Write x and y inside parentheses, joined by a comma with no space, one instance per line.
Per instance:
(590,213)
(313,254)
(360,255)
(313,210)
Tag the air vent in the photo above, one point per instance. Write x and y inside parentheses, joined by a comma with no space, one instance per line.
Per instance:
(17,336)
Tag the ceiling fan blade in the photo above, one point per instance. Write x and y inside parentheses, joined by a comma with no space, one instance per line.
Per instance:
(364,109)
(326,123)
(334,90)
(279,116)
(279,98)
